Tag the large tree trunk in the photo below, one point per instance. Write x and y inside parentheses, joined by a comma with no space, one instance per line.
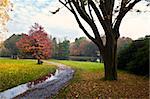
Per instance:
(110,60)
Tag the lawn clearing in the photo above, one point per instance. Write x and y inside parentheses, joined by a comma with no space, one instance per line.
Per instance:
(82,66)
(88,83)
(16,72)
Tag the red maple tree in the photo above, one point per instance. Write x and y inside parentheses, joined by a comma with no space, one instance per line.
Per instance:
(37,43)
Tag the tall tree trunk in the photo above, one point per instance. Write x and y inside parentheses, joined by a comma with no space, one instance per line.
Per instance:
(110,60)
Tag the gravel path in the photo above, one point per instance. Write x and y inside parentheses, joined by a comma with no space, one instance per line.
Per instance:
(49,88)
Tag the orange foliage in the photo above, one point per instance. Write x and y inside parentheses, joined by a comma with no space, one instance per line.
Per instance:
(37,43)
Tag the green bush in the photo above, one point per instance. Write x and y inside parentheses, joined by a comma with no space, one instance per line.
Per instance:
(135,57)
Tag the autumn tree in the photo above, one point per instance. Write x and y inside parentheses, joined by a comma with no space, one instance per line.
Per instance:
(5,6)
(103,11)
(36,42)
(90,49)
(83,47)
(74,48)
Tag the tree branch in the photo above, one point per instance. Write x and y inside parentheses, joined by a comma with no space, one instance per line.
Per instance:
(82,4)
(97,40)
(65,4)
(90,11)
(91,23)
(79,23)
(103,9)
(98,14)
(121,15)
(106,25)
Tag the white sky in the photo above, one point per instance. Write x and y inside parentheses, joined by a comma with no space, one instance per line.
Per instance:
(63,25)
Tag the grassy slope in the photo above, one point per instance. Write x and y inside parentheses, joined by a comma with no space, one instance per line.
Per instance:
(87,83)
(15,72)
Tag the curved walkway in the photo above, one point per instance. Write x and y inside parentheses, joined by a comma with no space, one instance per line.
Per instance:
(59,80)
(51,86)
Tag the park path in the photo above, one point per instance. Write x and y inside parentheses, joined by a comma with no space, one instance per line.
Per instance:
(61,77)
(47,88)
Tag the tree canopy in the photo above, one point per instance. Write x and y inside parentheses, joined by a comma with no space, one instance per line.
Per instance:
(4,16)
(36,42)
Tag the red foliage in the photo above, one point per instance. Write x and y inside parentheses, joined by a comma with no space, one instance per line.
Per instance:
(79,48)
(37,43)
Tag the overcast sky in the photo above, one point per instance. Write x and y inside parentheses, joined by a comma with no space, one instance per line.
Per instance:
(63,25)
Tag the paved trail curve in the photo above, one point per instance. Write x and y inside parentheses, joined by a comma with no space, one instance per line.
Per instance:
(61,77)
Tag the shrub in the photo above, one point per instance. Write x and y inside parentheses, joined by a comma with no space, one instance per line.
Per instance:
(135,57)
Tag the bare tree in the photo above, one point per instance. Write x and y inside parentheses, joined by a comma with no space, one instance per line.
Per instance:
(104,11)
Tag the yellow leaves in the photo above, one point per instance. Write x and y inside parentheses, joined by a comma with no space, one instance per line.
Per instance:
(4,3)
(4,16)
(89,85)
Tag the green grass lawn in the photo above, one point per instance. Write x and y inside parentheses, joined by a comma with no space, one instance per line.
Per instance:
(83,66)
(87,83)
(14,72)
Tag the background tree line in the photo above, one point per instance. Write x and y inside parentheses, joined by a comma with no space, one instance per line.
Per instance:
(80,48)
(132,54)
